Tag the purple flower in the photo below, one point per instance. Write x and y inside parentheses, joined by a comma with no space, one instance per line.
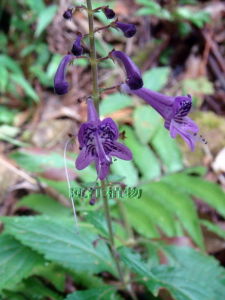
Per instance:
(77,49)
(129,30)
(60,84)
(174,110)
(98,143)
(134,79)
(68,14)
(109,13)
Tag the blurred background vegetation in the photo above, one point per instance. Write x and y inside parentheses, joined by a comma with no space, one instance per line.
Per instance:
(180,48)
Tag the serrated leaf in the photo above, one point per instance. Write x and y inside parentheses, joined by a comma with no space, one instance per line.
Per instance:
(214,228)
(45,17)
(114,102)
(59,242)
(33,288)
(208,191)
(143,156)
(156,78)
(190,276)
(141,221)
(16,261)
(146,123)
(44,204)
(168,150)
(127,170)
(103,293)
(179,205)
(152,213)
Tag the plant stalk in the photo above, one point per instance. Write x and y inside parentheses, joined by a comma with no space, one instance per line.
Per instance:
(96,98)
(93,59)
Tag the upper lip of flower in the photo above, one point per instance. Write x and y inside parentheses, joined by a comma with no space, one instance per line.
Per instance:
(134,79)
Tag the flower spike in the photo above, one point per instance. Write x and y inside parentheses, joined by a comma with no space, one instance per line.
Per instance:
(174,110)
(77,49)
(60,84)
(134,79)
(98,143)
(129,30)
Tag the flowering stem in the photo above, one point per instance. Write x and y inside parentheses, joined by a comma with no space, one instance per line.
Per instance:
(109,224)
(96,97)
(93,60)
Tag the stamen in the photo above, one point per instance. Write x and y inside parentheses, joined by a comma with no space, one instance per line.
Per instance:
(200,138)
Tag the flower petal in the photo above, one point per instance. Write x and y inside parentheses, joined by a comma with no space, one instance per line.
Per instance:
(86,133)
(84,159)
(108,129)
(102,169)
(186,130)
(121,151)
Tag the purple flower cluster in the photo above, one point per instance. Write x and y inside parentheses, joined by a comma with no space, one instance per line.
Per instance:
(98,139)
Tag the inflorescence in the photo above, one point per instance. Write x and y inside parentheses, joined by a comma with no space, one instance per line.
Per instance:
(98,139)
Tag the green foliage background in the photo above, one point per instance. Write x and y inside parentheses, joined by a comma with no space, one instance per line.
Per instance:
(40,254)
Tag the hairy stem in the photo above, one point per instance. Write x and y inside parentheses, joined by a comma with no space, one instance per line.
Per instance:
(96,97)
(111,237)
(93,60)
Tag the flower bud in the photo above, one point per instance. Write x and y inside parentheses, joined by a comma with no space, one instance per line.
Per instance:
(68,14)
(77,49)
(109,13)
(60,84)
(134,79)
(129,30)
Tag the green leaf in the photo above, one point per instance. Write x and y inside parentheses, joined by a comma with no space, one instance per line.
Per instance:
(127,170)
(96,218)
(3,79)
(200,85)
(156,78)
(34,288)
(141,221)
(167,149)
(141,155)
(103,293)
(16,262)
(146,123)
(214,228)
(21,81)
(208,191)
(10,64)
(58,241)
(53,273)
(147,213)
(179,205)
(6,115)
(114,102)
(44,204)
(45,18)
(190,275)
